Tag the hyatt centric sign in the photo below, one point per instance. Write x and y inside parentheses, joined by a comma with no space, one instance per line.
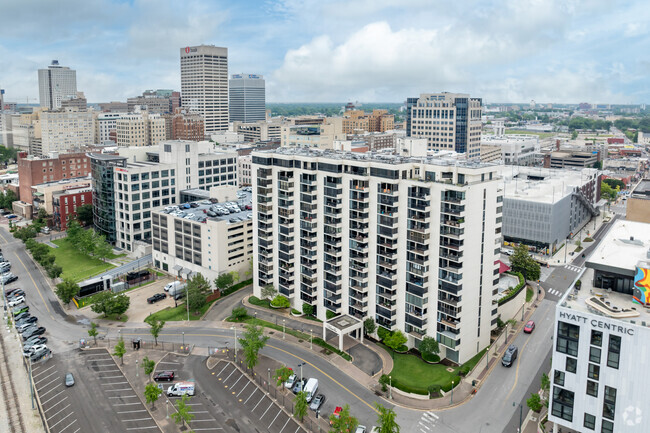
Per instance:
(595,323)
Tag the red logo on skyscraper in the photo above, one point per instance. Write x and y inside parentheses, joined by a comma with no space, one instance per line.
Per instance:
(187,50)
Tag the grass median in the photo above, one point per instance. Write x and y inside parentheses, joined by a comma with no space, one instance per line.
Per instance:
(77,266)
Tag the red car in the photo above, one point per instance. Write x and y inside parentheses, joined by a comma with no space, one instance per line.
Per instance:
(530,326)
(337,412)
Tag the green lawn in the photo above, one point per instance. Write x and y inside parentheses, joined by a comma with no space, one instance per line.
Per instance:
(173,314)
(529,294)
(75,265)
(411,374)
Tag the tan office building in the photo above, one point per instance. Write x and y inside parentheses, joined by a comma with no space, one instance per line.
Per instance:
(140,129)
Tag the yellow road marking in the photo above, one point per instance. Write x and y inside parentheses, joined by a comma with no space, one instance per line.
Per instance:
(288,353)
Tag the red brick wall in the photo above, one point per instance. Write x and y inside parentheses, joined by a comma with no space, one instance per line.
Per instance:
(66,166)
(69,209)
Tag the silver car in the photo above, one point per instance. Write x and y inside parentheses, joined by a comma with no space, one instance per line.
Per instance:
(69,380)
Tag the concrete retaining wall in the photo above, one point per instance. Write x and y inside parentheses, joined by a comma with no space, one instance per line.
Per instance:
(512,308)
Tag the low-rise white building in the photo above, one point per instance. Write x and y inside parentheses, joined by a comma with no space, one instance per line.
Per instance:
(515,149)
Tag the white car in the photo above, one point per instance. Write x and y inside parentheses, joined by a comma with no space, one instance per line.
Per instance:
(360,429)
(19,300)
(34,349)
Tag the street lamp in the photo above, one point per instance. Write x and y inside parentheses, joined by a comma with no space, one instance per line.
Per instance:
(235,329)
(390,387)
(167,408)
(506,333)
(311,339)
(301,376)
(187,301)
(269,383)
(451,401)
(283,329)
(520,413)
(183,338)
(137,373)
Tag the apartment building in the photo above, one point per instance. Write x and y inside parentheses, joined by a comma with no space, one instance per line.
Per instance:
(409,242)
(53,168)
(602,331)
(62,130)
(247,98)
(66,202)
(141,185)
(544,207)
(262,130)
(449,121)
(244,173)
(106,127)
(140,129)
(55,84)
(156,101)
(516,149)
(195,242)
(204,84)
(376,140)
(187,126)
(355,121)
(319,136)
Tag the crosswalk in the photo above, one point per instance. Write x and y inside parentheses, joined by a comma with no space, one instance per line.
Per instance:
(554,292)
(427,422)
(573,268)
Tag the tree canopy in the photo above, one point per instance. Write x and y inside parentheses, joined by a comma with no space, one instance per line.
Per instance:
(521,261)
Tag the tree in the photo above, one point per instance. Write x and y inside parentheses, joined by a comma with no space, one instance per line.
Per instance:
(382,333)
(598,165)
(429,348)
(101,302)
(282,374)
(235,277)
(120,350)
(252,341)
(574,135)
(93,332)
(223,281)
(344,422)
(522,262)
(7,198)
(268,291)
(369,326)
(110,304)
(66,290)
(615,183)
(300,405)
(534,402)
(149,365)
(307,309)
(546,384)
(384,381)
(74,232)
(42,215)
(101,248)
(197,290)
(606,192)
(54,271)
(119,304)
(184,411)
(85,214)
(155,327)
(249,271)
(281,301)
(239,313)
(386,422)
(151,393)
(396,340)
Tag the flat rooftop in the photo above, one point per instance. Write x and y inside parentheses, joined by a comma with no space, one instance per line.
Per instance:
(198,213)
(642,190)
(612,305)
(542,185)
(625,244)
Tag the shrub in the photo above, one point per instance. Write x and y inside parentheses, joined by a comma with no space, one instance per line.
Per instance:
(383,381)
(330,314)
(259,302)
(239,313)
(382,332)
(433,389)
(588,239)
(233,289)
(295,312)
(281,302)
(308,309)
(429,357)
(514,292)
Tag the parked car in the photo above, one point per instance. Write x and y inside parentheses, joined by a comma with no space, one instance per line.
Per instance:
(8,278)
(337,413)
(10,291)
(37,356)
(157,297)
(69,380)
(20,309)
(16,293)
(36,331)
(5,267)
(290,381)
(45,230)
(299,385)
(360,429)
(509,357)
(21,315)
(194,205)
(27,351)
(16,301)
(34,341)
(317,402)
(26,320)
(166,375)
(530,327)
(26,328)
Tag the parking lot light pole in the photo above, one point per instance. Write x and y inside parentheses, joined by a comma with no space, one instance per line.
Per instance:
(235,329)
(137,373)
(269,385)
(187,301)
(451,400)
(301,376)
(311,339)
(167,408)
(283,329)
(390,387)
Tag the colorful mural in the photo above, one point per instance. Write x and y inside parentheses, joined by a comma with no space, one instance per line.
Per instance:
(642,286)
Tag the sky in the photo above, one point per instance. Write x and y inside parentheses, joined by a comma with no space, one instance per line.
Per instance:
(562,51)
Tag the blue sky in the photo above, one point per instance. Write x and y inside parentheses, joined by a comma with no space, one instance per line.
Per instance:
(340,50)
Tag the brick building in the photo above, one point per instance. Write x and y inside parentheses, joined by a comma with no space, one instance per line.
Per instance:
(187,126)
(65,204)
(35,171)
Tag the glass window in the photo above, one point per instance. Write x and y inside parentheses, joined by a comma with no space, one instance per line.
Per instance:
(594,355)
(568,337)
(145,176)
(590,421)
(607,427)
(134,177)
(596,338)
(571,364)
(562,403)
(592,388)
(609,403)
(164,173)
(154,174)
(558,377)
(135,197)
(145,195)
(614,353)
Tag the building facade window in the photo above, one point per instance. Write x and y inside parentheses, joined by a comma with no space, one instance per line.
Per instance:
(592,388)
(609,403)
(571,364)
(568,337)
(594,355)
(563,403)
(607,427)
(614,352)
(590,421)
(558,377)
(593,372)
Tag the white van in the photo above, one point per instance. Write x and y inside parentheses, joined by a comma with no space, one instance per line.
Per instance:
(177,288)
(311,388)
(172,285)
(181,388)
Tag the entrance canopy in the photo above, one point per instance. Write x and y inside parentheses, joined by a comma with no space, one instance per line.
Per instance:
(342,325)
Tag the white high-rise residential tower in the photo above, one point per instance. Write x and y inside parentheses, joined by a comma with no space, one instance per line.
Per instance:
(204,84)
(247,98)
(55,84)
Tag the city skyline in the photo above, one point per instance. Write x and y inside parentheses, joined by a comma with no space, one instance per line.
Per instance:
(502,51)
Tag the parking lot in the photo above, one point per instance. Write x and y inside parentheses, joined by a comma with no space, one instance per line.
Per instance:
(100,400)
(227,396)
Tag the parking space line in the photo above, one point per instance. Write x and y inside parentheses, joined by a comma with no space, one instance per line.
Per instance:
(258,403)
(233,372)
(242,390)
(168,362)
(267,409)
(75,420)
(137,419)
(132,411)
(233,385)
(50,382)
(202,420)
(76,431)
(46,393)
(285,424)
(110,377)
(297,429)
(36,375)
(113,383)
(48,418)
(56,404)
(200,411)
(125,396)
(142,428)
(61,420)
(227,364)
(126,404)
(45,402)
(249,397)
(210,428)
(117,390)
(41,380)
(276,417)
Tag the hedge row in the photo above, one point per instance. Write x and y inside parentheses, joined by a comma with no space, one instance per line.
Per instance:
(234,288)
(446,386)
(514,292)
